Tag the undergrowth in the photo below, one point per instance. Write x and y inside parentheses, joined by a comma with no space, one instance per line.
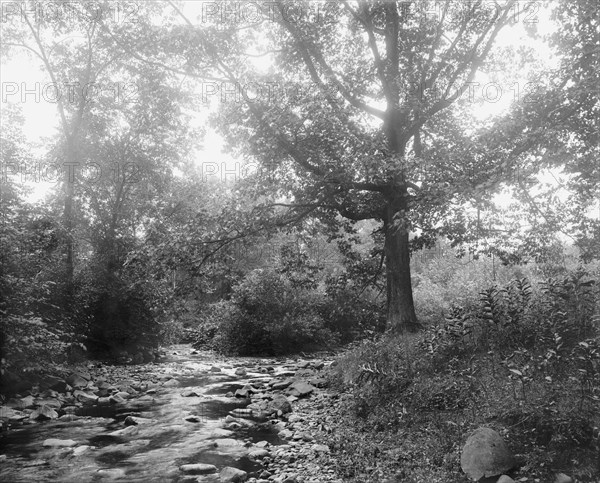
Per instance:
(524,360)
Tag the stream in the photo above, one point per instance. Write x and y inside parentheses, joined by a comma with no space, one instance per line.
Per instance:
(178,420)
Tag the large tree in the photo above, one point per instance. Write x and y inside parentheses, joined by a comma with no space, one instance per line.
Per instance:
(356,112)
(353,95)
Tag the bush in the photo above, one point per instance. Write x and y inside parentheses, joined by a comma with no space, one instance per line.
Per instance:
(525,358)
(267,314)
(116,315)
(351,311)
(30,343)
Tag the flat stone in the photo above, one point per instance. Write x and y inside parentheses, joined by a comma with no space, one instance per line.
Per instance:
(171,383)
(300,389)
(221,433)
(81,449)
(190,394)
(198,469)
(128,431)
(277,386)
(59,443)
(12,414)
(85,398)
(22,403)
(226,442)
(112,472)
(215,369)
(76,380)
(258,454)
(232,475)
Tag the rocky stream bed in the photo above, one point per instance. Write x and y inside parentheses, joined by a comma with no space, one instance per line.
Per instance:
(188,418)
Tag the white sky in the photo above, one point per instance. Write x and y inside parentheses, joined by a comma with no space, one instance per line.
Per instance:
(41,118)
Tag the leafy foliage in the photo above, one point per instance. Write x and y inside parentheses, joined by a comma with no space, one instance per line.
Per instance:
(522,358)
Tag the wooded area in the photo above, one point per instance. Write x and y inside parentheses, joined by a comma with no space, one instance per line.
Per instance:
(411,184)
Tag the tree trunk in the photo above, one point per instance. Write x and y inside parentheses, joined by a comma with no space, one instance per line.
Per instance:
(401,315)
(68,216)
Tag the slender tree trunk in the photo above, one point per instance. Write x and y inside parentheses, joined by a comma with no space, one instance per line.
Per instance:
(401,315)
(68,216)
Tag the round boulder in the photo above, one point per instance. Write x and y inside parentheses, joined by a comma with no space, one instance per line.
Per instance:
(485,454)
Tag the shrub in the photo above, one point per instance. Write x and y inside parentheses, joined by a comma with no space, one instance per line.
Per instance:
(116,315)
(29,344)
(267,314)
(524,358)
(351,311)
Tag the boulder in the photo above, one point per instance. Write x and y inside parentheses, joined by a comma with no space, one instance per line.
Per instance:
(21,403)
(76,380)
(44,412)
(116,399)
(285,434)
(245,391)
(562,478)
(50,402)
(10,414)
(258,454)
(505,479)
(240,371)
(318,381)
(485,454)
(56,383)
(232,475)
(300,389)
(279,403)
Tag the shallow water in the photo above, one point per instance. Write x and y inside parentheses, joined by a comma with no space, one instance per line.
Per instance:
(156,449)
